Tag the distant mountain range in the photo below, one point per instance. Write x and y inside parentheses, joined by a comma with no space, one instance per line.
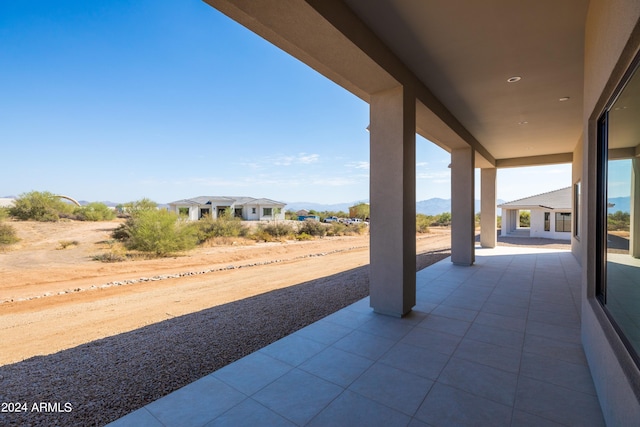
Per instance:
(434,206)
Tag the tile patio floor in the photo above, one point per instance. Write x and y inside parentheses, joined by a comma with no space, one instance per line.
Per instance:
(496,344)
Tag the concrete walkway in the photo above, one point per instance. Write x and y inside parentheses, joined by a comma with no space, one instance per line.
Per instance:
(495,344)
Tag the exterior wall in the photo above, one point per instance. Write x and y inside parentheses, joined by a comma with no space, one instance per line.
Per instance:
(537,225)
(247,211)
(193,211)
(262,217)
(612,41)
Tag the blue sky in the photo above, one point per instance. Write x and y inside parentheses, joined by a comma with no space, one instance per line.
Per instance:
(169,99)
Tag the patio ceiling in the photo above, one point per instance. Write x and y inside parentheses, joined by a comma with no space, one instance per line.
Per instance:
(457,55)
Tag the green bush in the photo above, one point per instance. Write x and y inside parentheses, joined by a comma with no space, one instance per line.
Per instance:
(442,220)
(358,228)
(313,228)
(39,206)
(159,232)
(94,212)
(133,208)
(422,223)
(337,229)
(618,221)
(8,235)
(4,213)
(278,230)
(224,226)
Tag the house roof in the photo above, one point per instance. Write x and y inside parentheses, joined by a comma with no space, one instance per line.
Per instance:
(264,201)
(230,200)
(558,199)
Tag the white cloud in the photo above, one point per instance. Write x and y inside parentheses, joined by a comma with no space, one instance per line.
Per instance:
(443,176)
(358,165)
(308,158)
(281,160)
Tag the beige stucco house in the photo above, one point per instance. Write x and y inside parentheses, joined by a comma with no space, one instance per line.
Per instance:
(550,215)
(247,208)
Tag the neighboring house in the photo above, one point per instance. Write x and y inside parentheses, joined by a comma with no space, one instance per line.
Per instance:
(550,215)
(302,212)
(246,208)
(6,202)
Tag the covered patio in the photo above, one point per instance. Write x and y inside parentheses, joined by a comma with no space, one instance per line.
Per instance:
(492,336)
(494,344)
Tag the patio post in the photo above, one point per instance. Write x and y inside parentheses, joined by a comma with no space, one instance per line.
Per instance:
(488,216)
(392,270)
(462,206)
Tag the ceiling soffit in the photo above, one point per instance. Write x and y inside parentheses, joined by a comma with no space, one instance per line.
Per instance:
(464,52)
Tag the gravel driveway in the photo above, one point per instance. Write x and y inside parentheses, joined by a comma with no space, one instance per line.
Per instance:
(106,379)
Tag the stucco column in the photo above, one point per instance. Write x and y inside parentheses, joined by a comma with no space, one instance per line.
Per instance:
(462,207)
(634,231)
(392,283)
(488,202)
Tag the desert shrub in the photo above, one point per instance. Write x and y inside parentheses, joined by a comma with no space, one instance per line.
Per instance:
(116,253)
(121,232)
(131,209)
(64,244)
(39,206)
(304,236)
(443,219)
(422,223)
(8,235)
(278,230)
(313,228)
(159,232)
(259,235)
(337,229)
(4,213)
(618,221)
(94,212)
(358,228)
(224,226)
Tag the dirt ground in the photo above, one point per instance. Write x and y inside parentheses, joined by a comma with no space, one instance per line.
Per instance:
(54,296)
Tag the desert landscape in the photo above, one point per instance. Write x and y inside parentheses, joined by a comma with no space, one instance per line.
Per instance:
(111,337)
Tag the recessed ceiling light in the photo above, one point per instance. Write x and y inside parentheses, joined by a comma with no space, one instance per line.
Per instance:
(514,79)
(524,122)
(564,98)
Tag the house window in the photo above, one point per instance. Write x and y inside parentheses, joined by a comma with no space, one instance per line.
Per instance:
(547,221)
(183,211)
(253,210)
(267,211)
(563,222)
(577,202)
(618,189)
